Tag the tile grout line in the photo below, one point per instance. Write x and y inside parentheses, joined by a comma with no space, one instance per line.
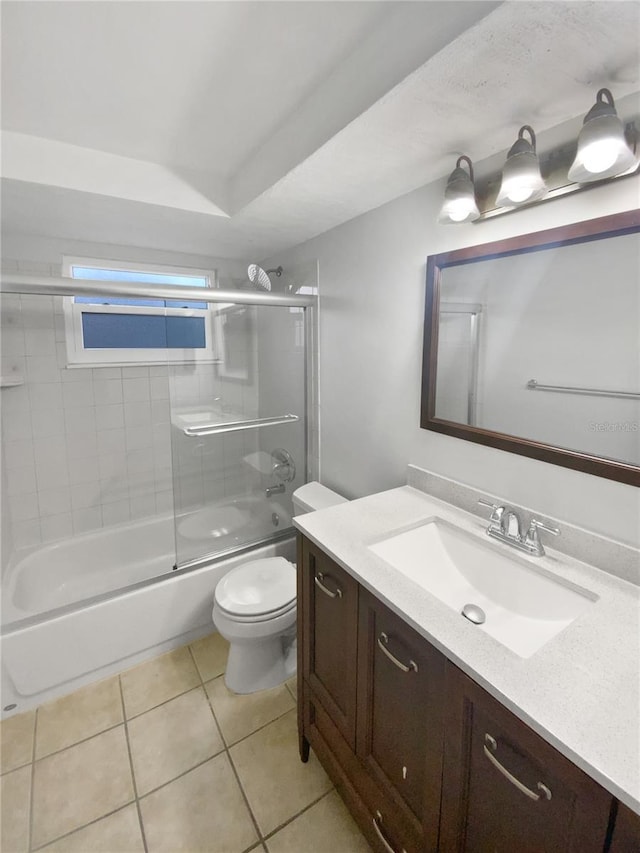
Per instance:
(226,751)
(133,775)
(76,743)
(289,820)
(32,783)
(84,826)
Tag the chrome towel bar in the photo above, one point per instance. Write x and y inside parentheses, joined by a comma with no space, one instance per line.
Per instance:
(235,426)
(534,385)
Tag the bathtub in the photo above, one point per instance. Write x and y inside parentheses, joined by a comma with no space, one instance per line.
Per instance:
(85,608)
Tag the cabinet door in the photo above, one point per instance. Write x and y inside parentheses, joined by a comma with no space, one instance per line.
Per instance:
(506,789)
(626,831)
(400,713)
(330,623)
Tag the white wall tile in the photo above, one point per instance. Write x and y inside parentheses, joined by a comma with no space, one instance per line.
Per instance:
(82,446)
(40,342)
(21,481)
(78,394)
(142,507)
(135,390)
(18,454)
(109,417)
(159,387)
(80,421)
(76,374)
(54,501)
(56,527)
(111,441)
(26,533)
(108,391)
(116,513)
(137,414)
(86,519)
(83,470)
(45,395)
(52,473)
(24,507)
(42,368)
(84,495)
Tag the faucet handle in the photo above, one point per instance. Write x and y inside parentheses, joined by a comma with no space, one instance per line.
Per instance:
(540,525)
(497,511)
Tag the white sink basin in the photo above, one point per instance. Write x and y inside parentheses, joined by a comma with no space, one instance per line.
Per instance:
(524,606)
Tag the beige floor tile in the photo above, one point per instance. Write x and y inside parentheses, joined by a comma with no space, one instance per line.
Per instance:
(118,833)
(276,782)
(157,680)
(210,654)
(15,791)
(239,716)
(326,826)
(80,784)
(16,740)
(292,685)
(171,739)
(82,714)
(204,810)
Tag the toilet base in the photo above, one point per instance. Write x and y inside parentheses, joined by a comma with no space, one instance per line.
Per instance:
(258,666)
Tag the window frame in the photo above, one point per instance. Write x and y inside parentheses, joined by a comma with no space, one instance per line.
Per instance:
(79,356)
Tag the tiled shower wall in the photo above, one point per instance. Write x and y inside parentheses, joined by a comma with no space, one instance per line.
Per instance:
(85,448)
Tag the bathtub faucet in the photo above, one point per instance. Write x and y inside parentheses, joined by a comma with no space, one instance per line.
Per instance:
(274,490)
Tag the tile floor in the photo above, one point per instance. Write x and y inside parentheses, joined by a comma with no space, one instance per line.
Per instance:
(164,758)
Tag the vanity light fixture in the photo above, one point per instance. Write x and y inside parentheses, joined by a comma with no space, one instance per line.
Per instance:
(521,179)
(603,151)
(459,196)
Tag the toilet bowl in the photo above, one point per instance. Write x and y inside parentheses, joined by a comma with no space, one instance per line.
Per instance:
(255,610)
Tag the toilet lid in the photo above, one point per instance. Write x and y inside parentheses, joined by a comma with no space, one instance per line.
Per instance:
(261,586)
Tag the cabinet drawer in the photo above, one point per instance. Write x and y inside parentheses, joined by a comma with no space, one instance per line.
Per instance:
(330,602)
(377,815)
(400,712)
(507,789)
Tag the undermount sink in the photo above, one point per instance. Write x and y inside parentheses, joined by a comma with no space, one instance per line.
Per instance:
(524,607)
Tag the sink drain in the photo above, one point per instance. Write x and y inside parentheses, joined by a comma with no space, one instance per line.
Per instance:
(474,614)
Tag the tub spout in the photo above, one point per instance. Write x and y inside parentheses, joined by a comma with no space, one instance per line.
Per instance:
(274,490)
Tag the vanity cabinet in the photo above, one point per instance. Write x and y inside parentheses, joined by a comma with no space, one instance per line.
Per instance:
(507,789)
(425,759)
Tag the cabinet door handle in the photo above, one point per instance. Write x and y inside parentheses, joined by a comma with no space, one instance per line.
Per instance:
(318,578)
(383,641)
(490,746)
(377,822)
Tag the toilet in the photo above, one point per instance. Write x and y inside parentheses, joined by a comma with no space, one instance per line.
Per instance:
(255,610)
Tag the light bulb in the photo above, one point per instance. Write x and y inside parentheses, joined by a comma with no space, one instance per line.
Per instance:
(519,194)
(459,210)
(599,156)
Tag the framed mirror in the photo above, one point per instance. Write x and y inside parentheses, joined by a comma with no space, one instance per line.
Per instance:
(532,345)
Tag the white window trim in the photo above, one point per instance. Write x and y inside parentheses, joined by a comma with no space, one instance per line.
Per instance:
(78,356)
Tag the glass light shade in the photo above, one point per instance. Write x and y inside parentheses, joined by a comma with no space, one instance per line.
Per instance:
(603,151)
(459,197)
(521,179)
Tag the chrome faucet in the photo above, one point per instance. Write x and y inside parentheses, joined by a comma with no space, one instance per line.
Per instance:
(274,490)
(505,525)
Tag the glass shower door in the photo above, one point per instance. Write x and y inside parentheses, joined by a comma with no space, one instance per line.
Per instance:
(238,433)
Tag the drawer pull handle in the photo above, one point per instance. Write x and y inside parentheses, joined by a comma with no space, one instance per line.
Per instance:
(383,641)
(377,821)
(490,746)
(318,578)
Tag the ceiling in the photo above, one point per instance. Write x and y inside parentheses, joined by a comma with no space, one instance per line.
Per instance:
(237,129)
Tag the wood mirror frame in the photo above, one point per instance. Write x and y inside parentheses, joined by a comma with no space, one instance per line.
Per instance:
(580,232)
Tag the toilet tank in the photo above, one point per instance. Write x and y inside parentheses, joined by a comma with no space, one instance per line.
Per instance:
(313,496)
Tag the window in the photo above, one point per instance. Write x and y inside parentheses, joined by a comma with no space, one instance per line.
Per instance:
(126,330)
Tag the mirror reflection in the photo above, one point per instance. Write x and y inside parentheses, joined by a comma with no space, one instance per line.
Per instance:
(540,345)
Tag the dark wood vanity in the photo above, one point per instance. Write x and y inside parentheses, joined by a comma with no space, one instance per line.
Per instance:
(426,759)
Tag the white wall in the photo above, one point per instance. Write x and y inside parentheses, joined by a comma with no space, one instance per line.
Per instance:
(372,284)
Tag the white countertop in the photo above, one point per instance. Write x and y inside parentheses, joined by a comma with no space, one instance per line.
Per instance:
(580,691)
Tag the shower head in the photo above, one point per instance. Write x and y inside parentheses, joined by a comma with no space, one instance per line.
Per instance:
(260,277)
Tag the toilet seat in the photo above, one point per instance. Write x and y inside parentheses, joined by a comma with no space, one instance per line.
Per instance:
(258,590)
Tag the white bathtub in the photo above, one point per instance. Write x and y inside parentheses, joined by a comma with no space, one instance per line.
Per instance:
(53,643)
